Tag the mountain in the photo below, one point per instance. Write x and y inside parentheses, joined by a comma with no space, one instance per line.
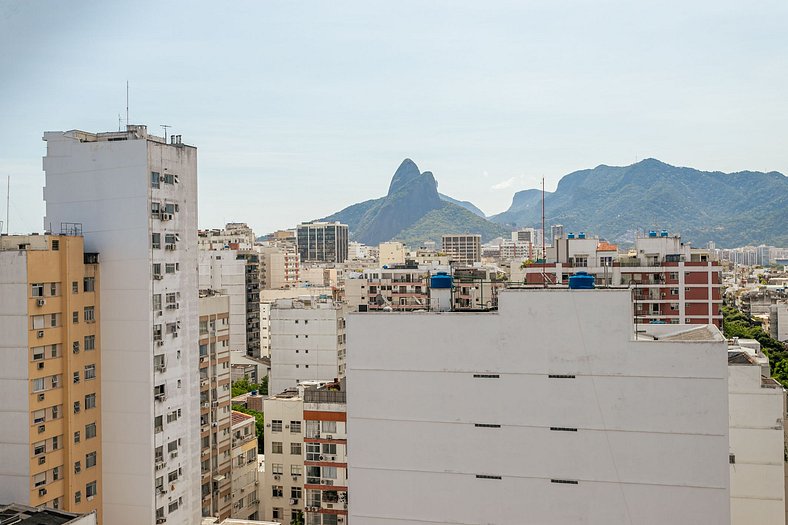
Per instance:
(465,204)
(731,209)
(413,210)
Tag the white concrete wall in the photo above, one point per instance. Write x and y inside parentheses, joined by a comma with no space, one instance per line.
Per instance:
(651,445)
(757,442)
(222,270)
(106,187)
(285,410)
(305,350)
(15,386)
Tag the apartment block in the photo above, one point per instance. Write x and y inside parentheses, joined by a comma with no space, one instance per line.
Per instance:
(245,500)
(530,415)
(50,374)
(401,288)
(391,253)
(673,283)
(322,242)
(464,249)
(135,197)
(757,438)
(283,495)
(307,341)
(215,410)
(280,265)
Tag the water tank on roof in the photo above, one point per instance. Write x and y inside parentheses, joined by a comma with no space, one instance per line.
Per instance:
(581,281)
(441,280)
(581,235)
(652,233)
(570,236)
(663,233)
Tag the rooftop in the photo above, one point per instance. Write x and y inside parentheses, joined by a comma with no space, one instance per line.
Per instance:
(15,514)
(240,417)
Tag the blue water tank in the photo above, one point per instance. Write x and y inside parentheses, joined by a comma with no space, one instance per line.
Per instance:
(581,281)
(441,280)
(570,236)
(581,235)
(663,233)
(652,233)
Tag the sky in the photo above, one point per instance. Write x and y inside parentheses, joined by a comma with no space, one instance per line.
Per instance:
(299,109)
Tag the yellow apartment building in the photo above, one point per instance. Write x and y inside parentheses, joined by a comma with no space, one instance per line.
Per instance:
(50,395)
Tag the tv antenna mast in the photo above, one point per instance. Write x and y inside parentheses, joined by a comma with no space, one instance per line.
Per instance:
(165,126)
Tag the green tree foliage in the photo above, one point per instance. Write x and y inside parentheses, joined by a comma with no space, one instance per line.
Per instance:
(242,386)
(259,421)
(298,518)
(737,324)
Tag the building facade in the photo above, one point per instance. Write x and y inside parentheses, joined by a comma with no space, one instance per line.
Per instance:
(50,374)
(215,411)
(464,249)
(589,422)
(135,196)
(307,341)
(322,242)
(244,469)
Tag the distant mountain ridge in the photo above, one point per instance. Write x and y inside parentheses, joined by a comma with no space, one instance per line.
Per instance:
(731,209)
(413,211)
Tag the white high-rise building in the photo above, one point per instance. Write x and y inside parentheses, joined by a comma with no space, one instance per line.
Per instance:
(135,197)
(551,410)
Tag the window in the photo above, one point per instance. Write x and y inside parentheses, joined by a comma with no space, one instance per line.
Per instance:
(295,492)
(55,442)
(330,448)
(90,342)
(90,372)
(156,269)
(77,496)
(55,245)
(39,448)
(155,240)
(276,425)
(90,401)
(277,513)
(158,423)
(329,427)
(40,479)
(172,446)
(276,447)
(76,437)
(55,381)
(154,179)
(171,298)
(157,332)
(89,284)
(55,411)
(38,353)
(172,507)
(277,469)
(155,210)
(276,491)
(76,407)
(295,449)
(169,268)
(329,472)
(75,317)
(295,470)
(90,314)
(77,467)
(39,416)
(75,347)
(76,377)
(90,430)
(295,427)
(53,320)
(172,476)
(90,460)
(169,178)
(313,451)
(90,489)
(37,290)
(74,287)
(38,384)
(170,238)
(55,351)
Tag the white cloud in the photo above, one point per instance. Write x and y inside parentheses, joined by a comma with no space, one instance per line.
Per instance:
(506,184)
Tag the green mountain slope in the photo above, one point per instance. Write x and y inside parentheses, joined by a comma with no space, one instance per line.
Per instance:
(465,204)
(449,219)
(732,209)
(412,205)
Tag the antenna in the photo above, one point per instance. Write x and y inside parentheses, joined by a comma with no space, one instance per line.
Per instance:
(165,126)
(8,205)
(127,103)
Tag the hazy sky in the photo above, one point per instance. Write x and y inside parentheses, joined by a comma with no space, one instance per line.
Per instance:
(302,108)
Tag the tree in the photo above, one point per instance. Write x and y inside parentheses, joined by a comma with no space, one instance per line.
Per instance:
(259,420)
(298,518)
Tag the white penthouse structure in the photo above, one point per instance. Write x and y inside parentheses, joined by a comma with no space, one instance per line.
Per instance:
(135,197)
(551,410)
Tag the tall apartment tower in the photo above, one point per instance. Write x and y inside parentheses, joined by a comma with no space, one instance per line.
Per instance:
(322,242)
(135,196)
(553,409)
(465,249)
(50,397)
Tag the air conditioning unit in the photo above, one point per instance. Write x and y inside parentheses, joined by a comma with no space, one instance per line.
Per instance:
(215,424)
(158,276)
(173,455)
(175,334)
(170,246)
(160,464)
(295,478)
(41,429)
(40,366)
(345,505)
(160,397)
(277,477)
(161,520)
(42,492)
(40,334)
(42,460)
(159,343)
(40,302)
(166,216)
(90,498)
(329,436)
(293,501)
(41,397)
(322,458)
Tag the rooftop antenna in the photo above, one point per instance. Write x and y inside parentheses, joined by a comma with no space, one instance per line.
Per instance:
(165,126)
(127,103)
(8,205)
(120,120)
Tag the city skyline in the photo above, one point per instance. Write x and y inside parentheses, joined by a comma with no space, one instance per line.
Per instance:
(488,100)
